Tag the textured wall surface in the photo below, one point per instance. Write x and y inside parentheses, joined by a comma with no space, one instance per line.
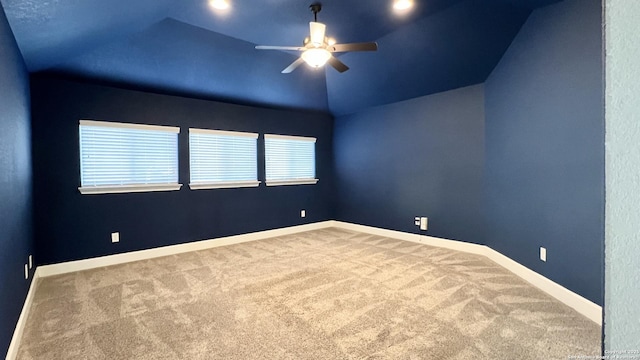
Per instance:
(420,157)
(71,226)
(622,283)
(545,147)
(15,183)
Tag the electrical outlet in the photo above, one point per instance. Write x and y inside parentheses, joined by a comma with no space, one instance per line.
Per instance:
(30,261)
(424,223)
(416,221)
(543,254)
(115,237)
(303,213)
(26,271)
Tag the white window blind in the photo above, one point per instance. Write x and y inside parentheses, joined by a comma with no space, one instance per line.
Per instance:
(290,160)
(117,157)
(222,159)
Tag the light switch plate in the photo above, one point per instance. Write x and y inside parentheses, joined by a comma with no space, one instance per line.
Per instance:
(543,254)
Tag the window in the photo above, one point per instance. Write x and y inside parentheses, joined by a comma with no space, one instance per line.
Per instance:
(222,159)
(290,160)
(119,158)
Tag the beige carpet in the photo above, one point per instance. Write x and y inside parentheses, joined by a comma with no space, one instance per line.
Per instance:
(326,294)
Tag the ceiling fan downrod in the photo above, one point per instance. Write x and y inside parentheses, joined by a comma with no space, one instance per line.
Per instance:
(315,8)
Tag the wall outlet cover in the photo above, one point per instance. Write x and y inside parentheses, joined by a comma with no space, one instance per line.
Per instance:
(115,237)
(303,213)
(424,223)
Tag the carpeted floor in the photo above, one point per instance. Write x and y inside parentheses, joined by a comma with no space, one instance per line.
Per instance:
(325,294)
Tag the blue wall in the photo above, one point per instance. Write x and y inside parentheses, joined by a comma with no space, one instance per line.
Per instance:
(515,164)
(545,147)
(15,183)
(420,157)
(72,226)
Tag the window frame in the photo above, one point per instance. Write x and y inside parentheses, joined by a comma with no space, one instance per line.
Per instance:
(300,181)
(203,185)
(128,188)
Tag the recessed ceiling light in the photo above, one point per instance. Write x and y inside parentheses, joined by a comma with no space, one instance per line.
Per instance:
(402,5)
(219,4)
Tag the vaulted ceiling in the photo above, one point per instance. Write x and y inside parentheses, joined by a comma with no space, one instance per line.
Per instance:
(187,48)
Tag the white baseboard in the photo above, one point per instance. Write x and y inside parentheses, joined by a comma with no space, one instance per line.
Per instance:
(12,353)
(582,305)
(87,264)
(417,238)
(575,301)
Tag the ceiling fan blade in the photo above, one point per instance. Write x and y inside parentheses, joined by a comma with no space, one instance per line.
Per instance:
(268,47)
(368,46)
(317,31)
(337,64)
(293,66)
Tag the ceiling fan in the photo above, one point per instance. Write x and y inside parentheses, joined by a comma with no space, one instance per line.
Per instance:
(317,49)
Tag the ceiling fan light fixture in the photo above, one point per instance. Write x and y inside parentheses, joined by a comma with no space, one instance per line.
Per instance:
(316,57)
(317,49)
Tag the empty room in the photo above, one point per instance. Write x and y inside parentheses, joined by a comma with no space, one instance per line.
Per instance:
(389,179)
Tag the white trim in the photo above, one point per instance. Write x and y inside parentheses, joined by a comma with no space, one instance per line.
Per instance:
(292,182)
(224,185)
(223,133)
(171,129)
(417,238)
(582,305)
(289,137)
(87,264)
(12,353)
(377,231)
(121,189)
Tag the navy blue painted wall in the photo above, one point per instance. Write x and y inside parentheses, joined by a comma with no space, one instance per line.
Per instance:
(72,226)
(420,157)
(545,147)
(541,182)
(15,183)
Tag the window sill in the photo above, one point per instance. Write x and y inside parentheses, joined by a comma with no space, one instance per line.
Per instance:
(292,182)
(122,189)
(224,185)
